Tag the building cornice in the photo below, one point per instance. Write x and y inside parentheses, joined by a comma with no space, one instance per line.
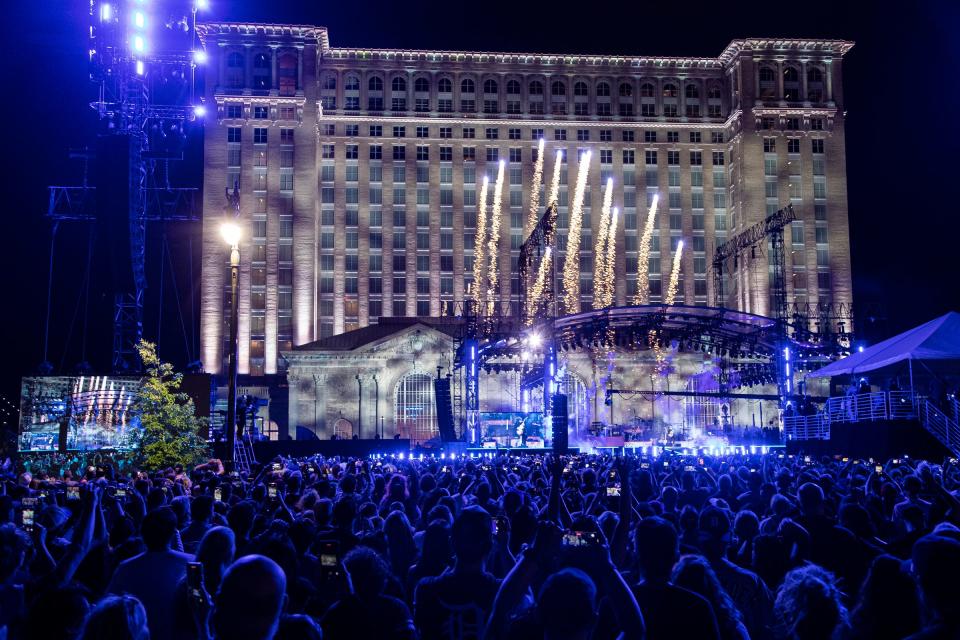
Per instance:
(817,47)
(784,45)
(310,33)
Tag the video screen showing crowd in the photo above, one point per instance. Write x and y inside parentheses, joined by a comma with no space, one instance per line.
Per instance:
(487,545)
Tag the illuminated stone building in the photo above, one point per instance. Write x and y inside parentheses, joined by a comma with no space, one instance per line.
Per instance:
(359,172)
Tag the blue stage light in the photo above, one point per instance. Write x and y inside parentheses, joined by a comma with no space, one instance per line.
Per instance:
(200,111)
(200,56)
(138,44)
(106,12)
(139,20)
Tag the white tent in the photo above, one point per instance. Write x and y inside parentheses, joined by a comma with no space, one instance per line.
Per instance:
(937,340)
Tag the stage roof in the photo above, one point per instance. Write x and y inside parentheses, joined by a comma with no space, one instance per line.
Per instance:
(938,340)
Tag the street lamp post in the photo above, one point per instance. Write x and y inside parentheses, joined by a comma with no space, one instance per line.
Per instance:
(359,405)
(231,235)
(376,405)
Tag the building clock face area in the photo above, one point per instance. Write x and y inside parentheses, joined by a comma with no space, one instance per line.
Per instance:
(361,173)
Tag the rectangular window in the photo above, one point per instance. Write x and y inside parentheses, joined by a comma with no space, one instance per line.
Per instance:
(718,158)
(423,132)
(446,132)
(352,152)
(376,131)
(559,134)
(769,145)
(423,152)
(492,133)
(673,158)
(260,135)
(469,154)
(649,136)
(469,133)
(793,145)
(514,134)
(583,135)
(399,152)
(650,157)
(816,145)
(696,158)
(493,154)
(628,156)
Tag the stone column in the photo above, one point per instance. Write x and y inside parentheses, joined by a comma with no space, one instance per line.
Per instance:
(248,68)
(320,401)
(803,80)
(829,65)
(780,80)
(274,82)
(300,73)
(222,63)
(293,399)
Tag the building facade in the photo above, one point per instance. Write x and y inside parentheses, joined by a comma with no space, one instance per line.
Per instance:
(359,172)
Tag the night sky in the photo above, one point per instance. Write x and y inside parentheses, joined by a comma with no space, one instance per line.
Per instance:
(902,86)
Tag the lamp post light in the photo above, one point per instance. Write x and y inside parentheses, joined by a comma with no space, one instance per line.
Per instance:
(376,405)
(359,405)
(230,232)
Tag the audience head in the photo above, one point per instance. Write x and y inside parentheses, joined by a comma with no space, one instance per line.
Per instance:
(472,535)
(251,597)
(158,528)
(810,604)
(117,618)
(566,605)
(656,548)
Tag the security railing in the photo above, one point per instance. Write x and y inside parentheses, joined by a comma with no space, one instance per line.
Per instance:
(880,405)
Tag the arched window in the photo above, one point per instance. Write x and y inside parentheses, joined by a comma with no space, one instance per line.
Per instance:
(790,74)
(669,90)
(421,85)
(375,84)
(467,86)
(287,74)
(814,74)
(536,88)
(626,90)
(603,89)
(414,409)
(343,429)
(330,83)
(557,88)
(580,89)
(352,83)
(767,74)
(647,90)
(261,61)
(713,93)
(490,86)
(398,84)
(444,85)
(513,87)
(235,60)
(692,91)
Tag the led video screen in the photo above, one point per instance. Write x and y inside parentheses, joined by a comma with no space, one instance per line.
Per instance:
(88,412)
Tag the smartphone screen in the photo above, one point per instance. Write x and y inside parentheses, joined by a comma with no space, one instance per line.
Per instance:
(613,491)
(688,467)
(330,558)
(644,465)
(73,493)
(580,538)
(27,506)
(271,490)
(121,492)
(218,494)
(878,468)
(499,525)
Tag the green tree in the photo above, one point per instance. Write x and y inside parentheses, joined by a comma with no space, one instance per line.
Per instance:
(172,433)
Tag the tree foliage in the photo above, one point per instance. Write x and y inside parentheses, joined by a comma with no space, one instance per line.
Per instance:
(172,433)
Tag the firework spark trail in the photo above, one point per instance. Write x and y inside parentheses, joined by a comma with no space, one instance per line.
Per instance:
(674,275)
(536,294)
(600,249)
(555,182)
(478,260)
(643,257)
(571,263)
(493,245)
(534,214)
(610,260)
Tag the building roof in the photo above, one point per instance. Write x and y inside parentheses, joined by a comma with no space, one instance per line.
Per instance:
(353,340)
(810,45)
(938,339)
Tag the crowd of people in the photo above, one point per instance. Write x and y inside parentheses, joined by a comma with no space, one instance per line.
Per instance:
(729,547)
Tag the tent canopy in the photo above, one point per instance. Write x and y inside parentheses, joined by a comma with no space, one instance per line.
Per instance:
(938,339)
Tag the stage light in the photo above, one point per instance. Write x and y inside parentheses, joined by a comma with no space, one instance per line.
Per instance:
(443,456)
(421,456)
(140,68)
(200,56)
(860,349)
(230,232)
(200,111)
(535,340)
(138,43)
(139,20)
(106,12)
(401,455)
(203,5)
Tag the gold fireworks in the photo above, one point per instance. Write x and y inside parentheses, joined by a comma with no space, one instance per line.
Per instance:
(534,214)
(674,275)
(479,290)
(610,261)
(555,182)
(536,294)
(600,252)
(493,246)
(643,255)
(571,263)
